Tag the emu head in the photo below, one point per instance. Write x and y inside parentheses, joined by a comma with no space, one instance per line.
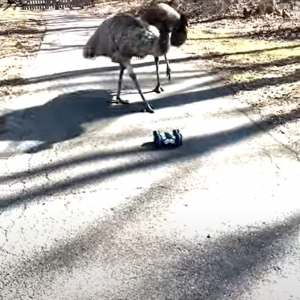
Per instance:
(179,33)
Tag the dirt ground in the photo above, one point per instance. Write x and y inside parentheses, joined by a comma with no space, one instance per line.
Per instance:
(21,34)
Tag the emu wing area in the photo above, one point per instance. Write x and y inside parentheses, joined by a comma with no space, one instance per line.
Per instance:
(122,37)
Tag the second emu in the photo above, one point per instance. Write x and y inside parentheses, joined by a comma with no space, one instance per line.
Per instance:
(122,37)
(161,15)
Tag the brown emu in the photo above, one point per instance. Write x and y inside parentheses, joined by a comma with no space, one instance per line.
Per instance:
(161,15)
(122,37)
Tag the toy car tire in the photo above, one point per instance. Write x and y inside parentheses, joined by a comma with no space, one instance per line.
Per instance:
(179,140)
(157,139)
(178,137)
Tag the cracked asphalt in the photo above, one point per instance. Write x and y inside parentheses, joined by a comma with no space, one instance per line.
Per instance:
(89,210)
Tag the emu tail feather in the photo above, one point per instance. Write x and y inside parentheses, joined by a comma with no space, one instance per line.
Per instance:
(88,52)
(89,49)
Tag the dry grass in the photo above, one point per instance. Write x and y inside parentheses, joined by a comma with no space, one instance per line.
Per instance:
(20,38)
(104,8)
(243,59)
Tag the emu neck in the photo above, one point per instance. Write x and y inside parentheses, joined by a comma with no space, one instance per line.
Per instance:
(164,41)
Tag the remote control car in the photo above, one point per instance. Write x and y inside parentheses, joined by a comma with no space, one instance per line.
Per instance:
(163,139)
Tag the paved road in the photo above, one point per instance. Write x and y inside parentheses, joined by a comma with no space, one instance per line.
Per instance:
(95,213)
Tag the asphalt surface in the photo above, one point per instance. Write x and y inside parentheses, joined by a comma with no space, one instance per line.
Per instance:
(90,210)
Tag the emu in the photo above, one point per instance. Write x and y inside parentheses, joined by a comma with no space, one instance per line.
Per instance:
(122,37)
(161,15)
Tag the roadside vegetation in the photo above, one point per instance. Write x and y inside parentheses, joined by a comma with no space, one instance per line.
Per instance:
(21,34)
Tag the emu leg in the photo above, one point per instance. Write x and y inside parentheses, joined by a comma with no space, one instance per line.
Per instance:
(132,75)
(168,68)
(119,100)
(158,87)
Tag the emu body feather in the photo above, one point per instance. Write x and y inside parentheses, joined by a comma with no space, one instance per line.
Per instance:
(122,37)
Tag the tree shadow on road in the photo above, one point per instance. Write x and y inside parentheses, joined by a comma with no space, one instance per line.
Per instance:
(85,72)
(228,266)
(224,267)
(251,84)
(193,147)
(221,267)
(61,119)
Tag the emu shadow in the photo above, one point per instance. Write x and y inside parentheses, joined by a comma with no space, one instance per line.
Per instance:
(60,119)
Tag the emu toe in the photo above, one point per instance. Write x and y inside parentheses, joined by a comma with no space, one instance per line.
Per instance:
(119,100)
(149,108)
(169,73)
(158,89)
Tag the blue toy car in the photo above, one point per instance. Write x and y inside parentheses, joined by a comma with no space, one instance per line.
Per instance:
(163,139)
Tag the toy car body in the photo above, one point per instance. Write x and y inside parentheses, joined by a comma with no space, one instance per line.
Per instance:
(163,139)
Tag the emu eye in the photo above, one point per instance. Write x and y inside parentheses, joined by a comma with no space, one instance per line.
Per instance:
(176,27)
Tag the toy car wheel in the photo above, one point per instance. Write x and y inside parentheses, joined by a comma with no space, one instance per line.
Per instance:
(178,137)
(179,140)
(157,139)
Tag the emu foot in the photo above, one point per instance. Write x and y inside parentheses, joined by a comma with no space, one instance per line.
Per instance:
(119,100)
(158,89)
(149,108)
(169,73)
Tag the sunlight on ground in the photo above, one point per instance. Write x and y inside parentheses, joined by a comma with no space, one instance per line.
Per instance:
(229,50)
